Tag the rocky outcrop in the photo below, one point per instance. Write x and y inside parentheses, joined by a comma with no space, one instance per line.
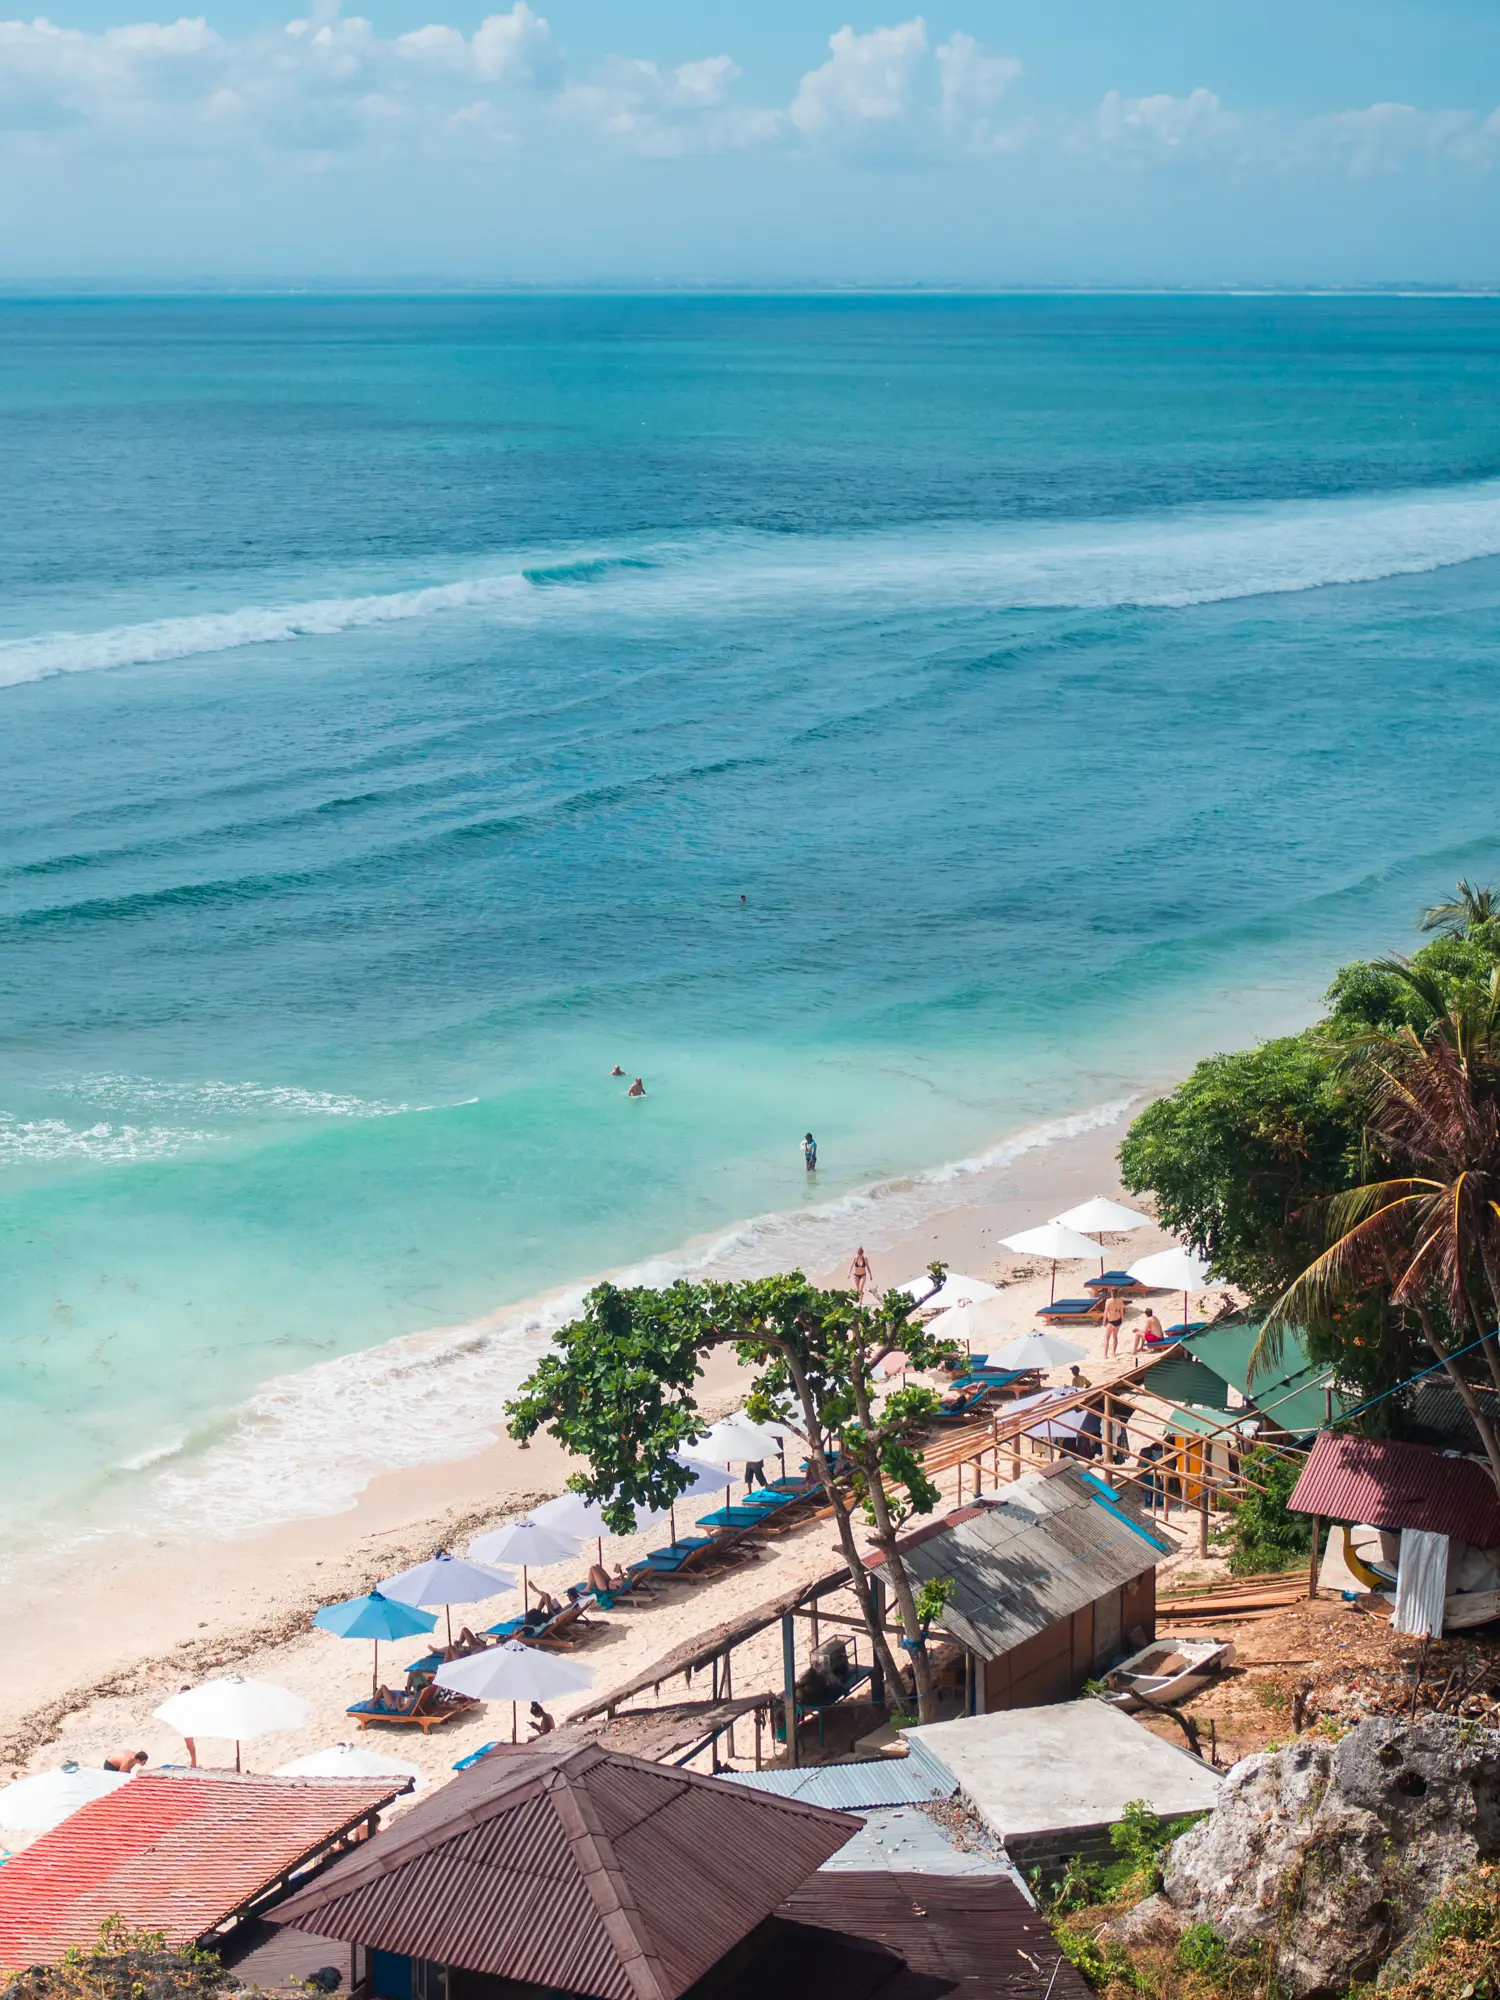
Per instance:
(1328,1854)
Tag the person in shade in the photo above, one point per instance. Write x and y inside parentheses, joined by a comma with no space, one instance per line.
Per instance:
(810,1153)
(542,1723)
(637,1089)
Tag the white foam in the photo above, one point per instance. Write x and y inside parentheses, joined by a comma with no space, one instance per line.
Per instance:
(309,1443)
(31,1141)
(219,1098)
(1171,560)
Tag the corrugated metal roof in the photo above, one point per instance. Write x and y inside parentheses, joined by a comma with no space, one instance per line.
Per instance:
(1396,1485)
(577,1868)
(957,1936)
(884,1781)
(171,1852)
(1044,1550)
(909,1842)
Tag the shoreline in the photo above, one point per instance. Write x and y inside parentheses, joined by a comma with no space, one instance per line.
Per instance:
(114,1628)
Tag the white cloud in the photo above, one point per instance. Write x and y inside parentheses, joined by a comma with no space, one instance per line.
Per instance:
(1390,138)
(890,89)
(669,112)
(1163,126)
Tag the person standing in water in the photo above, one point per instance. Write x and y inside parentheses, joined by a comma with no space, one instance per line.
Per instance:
(810,1153)
(637,1089)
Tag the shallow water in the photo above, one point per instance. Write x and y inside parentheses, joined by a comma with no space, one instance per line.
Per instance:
(400,696)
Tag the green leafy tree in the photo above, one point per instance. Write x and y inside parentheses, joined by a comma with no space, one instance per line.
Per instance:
(617,1391)
(1263,1534)
(1240,1155)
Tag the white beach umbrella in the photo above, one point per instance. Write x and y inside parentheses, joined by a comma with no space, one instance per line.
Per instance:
(234,1708)
(348,1760)
(1057,1241)
(36,1805)
(448,1580)
(1176,1270)
(513,1673)
(953,1291)
(983,1320)
(528,1543)
(573,1515)
(1038,1350)
(1099,1212)
(734,1439)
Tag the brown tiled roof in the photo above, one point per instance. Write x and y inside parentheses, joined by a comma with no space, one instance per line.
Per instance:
(1391,1484)
(575,1868)
(171,1852)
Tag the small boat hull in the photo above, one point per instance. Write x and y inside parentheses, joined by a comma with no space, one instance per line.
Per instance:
(1167,1672)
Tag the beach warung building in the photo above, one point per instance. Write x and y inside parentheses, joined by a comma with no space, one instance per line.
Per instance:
(1052,1580)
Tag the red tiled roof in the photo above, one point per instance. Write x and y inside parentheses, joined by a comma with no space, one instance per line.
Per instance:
(173,1853)
(1396,1485)
(575,1868)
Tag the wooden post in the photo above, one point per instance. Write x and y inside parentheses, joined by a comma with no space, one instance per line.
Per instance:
(813,1608)
(728,1682)
(789,1680)
(1203,1517)
(757,1736)
(1312,1560)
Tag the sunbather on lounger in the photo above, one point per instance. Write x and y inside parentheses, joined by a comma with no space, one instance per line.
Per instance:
(547,1604)
(397,1704)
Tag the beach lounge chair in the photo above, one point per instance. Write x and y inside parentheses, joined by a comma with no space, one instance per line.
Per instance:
(733,1517)
(428,1709)
(1116,1281)
(959,1412)
(559,1629)
(1062,1312)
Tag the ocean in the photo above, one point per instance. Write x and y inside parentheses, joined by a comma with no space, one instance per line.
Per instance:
(930,722)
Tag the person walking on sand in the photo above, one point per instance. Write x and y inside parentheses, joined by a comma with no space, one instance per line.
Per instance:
(637,1089)
(859,1271)
(810,1153)
(1114,1319)
(1149,1332)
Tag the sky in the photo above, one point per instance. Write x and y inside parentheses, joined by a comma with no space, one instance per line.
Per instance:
(979,144)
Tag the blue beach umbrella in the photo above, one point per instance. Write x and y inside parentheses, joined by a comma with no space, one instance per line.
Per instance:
(373,1617)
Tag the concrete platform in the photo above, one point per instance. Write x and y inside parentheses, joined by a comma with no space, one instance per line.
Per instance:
(1051,1781)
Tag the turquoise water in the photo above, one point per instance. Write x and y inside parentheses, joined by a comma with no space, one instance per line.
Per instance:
(398,698)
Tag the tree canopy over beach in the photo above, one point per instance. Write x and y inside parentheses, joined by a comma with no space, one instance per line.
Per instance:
(618,1391)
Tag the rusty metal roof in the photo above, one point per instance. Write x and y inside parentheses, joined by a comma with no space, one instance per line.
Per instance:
(174,1852)
(577,1868)
(1391,1484)
(888,1934)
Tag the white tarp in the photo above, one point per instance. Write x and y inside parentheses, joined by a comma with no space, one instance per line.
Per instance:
(1421,1584)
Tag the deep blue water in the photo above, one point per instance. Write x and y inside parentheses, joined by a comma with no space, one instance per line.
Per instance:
(398,697)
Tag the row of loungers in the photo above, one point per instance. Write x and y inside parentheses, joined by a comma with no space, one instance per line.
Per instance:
(768,1510)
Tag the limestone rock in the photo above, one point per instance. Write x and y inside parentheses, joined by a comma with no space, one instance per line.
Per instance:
(1330,1853)
(1153,1922)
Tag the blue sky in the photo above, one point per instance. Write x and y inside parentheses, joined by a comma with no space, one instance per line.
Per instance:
(1083,141)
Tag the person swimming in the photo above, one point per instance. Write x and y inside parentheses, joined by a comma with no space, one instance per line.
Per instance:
(637,1089)
(617,1071)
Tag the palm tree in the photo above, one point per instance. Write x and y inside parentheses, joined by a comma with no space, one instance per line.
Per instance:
(1428,1237)
(1470,906)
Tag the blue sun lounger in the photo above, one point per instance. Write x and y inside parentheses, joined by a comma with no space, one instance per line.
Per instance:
(1072,1309)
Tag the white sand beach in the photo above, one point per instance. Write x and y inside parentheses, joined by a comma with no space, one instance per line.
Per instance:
(118,1626)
